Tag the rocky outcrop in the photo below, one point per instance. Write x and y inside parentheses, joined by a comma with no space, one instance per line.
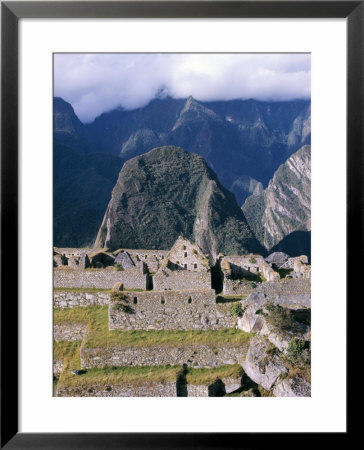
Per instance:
(262,365)
(280,345)
(284,208)
(166,193)
(293,387)
(276,323)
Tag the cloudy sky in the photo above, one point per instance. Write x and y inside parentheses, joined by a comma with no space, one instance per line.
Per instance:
(95,83)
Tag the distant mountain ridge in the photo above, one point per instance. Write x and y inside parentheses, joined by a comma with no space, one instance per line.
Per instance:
(236,138)
(168,192)
(242,141)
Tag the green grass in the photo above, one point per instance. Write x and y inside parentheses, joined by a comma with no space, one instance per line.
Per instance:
(64,350)
(207,376)
(69,352)
(86,290)
(144,374)
(119,375)
(100,335)
(229,298)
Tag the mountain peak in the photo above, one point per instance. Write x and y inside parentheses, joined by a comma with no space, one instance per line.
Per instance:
(67,127)
(169,192)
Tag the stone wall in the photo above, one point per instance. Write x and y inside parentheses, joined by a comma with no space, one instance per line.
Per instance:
(99,278)
(169,310)
(197,355)
(150,389)
(181,279)
(215,389)
(284,292)
(152,258)
(69,251)
(245,265)
(65,299)
(69,331)
(238,287)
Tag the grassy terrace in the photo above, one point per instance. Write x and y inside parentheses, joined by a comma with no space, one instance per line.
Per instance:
(100,336)
(108,375)
(86,290)
(69,352)
(229,298)
(91,290)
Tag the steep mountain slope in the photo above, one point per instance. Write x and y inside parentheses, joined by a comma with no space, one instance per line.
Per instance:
(67,128)
(168,192)
(280,216)
(82,187)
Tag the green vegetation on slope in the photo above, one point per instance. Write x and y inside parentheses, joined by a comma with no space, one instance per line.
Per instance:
(168,192)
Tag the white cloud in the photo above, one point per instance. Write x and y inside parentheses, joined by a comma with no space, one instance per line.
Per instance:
(95,83)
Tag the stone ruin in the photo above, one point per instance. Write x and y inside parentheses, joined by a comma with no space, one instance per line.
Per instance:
(172,290)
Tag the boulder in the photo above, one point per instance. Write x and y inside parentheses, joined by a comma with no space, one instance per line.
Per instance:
(251,322)
(293,387)
(280,339)
(262,364)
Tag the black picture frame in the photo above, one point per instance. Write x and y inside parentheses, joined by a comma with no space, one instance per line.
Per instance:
(11,12)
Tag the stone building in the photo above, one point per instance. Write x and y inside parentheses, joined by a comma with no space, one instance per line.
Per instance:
(188,256)
(299,266)
(186,267)
(152,258)
(192,309)
(240,271)
(123,258)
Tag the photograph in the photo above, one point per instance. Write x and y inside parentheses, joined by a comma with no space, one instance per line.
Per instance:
(182,225)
